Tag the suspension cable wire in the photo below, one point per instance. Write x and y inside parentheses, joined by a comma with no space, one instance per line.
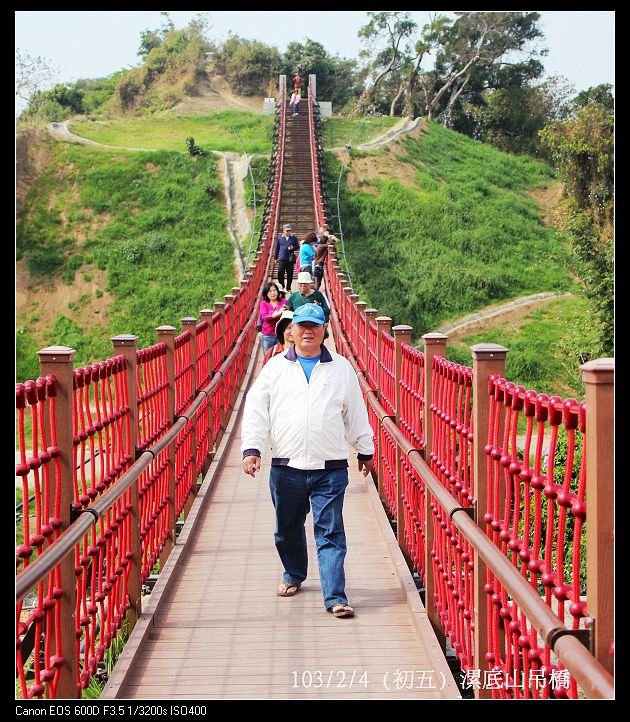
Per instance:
(343,248)
(251,175)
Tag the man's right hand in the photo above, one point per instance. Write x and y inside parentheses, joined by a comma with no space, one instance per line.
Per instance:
(251,464)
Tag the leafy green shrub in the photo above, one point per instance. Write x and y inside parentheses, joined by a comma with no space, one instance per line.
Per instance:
(157,241)
(26,360)
(132,252)
(44,261)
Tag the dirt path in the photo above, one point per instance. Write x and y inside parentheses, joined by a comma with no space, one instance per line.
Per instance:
(402,127)
(214,94)
(61,131)
(512,310)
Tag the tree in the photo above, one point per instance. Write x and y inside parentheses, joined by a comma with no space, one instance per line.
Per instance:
(149,39)
(393,29)
(475,45)
(337,78)
(32,73)
(582,150)
(601,94)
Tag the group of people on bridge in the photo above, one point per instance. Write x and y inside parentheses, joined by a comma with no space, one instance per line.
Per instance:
(308,400)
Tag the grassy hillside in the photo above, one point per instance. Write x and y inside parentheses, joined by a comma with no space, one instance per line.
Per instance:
(338,131)
(451,227)
(134,240)
(544,347)
(215,131)
(169,132)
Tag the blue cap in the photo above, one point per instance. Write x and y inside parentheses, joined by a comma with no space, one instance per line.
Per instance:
(309,312)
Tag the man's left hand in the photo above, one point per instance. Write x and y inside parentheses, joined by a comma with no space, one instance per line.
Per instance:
(365,467)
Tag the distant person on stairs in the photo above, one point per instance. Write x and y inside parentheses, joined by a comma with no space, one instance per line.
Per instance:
(295,103)
(309,401)
(307,253)
(286,247)
(297,83)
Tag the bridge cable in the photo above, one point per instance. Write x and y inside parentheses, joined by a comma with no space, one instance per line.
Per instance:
(251,174)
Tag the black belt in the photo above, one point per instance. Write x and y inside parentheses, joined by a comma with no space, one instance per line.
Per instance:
(331,464)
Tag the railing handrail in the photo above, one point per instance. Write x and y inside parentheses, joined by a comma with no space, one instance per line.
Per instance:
(50,558)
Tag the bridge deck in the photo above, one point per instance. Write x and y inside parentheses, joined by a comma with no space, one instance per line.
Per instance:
(215,629)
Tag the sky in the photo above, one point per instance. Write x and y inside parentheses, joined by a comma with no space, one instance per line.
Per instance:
(93,44)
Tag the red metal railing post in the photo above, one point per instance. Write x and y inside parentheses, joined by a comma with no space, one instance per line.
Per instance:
(488,358)
(383,323)
(599,380)
(347,311)
(220,307)
(166,334)
(354,320)
(402,334)
(434,343)
(370,317)
(189,323)
(206,315)
(127,345)
(58,360)
(361,336)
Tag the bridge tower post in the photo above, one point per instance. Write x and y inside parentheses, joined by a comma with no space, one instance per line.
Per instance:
(488,358)
(434,343)
(166,334)
(312,86)
(402,334)
(383,323)
(127,345)
(189,323)
(599,382)
(58,360)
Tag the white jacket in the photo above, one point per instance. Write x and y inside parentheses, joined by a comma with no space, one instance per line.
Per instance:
(310,423)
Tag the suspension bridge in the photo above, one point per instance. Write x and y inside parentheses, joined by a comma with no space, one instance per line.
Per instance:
(470,549)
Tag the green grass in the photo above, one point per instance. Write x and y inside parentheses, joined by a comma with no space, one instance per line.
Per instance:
(338,130)
(155,222)
(545,351)
(260,172)
(462,235)
(169,132)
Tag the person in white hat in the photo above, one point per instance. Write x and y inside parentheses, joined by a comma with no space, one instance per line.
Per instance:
(307,294)
(309,401)
(286,246)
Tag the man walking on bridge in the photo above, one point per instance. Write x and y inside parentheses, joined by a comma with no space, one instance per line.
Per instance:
(310,401)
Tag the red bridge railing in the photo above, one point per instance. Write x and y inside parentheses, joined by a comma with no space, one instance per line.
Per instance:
(116,450)
(494,527)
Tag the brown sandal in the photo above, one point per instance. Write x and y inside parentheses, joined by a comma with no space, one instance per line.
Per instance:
(287,589)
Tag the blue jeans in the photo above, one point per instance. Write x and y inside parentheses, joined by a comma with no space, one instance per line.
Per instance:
(268,342)
(294,492)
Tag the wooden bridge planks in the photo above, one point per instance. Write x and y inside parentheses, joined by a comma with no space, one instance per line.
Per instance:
(220,632)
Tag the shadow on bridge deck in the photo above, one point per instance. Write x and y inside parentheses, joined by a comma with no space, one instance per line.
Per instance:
(215,629)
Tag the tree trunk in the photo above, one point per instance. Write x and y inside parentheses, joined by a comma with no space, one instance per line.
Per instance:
(392,107)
